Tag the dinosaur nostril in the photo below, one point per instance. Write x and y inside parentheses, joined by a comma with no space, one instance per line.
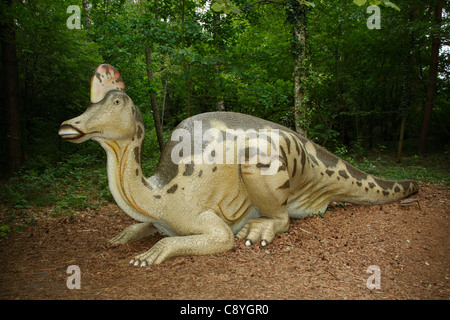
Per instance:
(77,122)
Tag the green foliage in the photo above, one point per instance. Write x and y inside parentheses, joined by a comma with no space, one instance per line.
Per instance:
(376,2)
(226,6)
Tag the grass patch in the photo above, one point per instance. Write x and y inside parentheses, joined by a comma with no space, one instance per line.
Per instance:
(433,168)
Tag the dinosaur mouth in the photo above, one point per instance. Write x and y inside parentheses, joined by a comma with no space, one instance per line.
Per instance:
(68,132)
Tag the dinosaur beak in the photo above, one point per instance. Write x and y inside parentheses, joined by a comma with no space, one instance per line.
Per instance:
(69,132)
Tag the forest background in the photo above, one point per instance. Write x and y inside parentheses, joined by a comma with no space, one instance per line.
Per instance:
(377,97)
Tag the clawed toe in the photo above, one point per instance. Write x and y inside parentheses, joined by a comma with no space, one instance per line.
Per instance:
(137,262)
(262,230)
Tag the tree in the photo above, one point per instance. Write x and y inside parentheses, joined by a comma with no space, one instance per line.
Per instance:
(11,94)
(432,76)
(153,101)
(297,16)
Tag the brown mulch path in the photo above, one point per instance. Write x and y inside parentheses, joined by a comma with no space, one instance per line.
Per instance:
(318,258)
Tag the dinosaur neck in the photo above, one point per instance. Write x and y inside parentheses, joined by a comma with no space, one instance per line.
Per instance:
(131,190)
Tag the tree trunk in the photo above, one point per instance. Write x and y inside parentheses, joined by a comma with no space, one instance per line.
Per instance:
(220,101)
(154,103)
(297,17)
(11,95)
(432,78)
(86,7)
(407,86)
(186,67)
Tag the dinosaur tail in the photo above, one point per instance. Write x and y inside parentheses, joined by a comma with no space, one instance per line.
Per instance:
(333,179)
(373,190)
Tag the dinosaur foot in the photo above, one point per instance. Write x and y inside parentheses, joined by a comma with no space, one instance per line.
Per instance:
(157,254)
(261,229)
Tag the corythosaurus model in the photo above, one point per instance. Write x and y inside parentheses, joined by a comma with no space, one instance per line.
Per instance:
(212,180)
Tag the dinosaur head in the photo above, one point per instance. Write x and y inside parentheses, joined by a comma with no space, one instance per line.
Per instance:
(111,114)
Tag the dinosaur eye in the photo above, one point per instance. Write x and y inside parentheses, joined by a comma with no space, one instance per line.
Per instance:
(116,102)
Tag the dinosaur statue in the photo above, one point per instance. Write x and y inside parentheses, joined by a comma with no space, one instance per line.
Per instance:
(200,201)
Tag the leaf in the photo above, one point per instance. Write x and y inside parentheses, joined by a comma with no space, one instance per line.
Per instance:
(391,5)
(227,9)
(217,6)
(374,2)
(236,10)
(359,2)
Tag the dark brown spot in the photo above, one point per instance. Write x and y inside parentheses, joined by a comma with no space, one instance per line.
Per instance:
(172,189)
(214,169)
(371,185)
(343,174)
(303,158)
(157,196)
(329,172)
(295,167)
(98,76)
(188,169)
(359,184)
(137,155)
(200,173)
(286,185)
(137,172)
(386,193)
(297,146)
(139,132)
(397,189)
(283,156)
(287,140)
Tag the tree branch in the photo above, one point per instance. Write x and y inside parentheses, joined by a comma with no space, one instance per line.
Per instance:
(265,2)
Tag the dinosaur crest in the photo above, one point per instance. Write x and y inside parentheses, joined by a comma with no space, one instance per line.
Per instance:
(105,79)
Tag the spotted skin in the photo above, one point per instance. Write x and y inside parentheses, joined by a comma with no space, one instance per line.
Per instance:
(202,206)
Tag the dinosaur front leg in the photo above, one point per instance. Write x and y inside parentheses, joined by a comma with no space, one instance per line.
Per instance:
(210,235)
(134,232)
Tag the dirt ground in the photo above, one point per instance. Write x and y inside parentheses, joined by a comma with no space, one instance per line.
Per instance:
(318,258)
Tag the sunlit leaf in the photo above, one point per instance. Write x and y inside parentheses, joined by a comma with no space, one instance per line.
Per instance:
(217,6)
(391,5)
(359,2)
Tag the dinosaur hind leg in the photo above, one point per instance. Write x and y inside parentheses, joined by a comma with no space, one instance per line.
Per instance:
(269,194)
